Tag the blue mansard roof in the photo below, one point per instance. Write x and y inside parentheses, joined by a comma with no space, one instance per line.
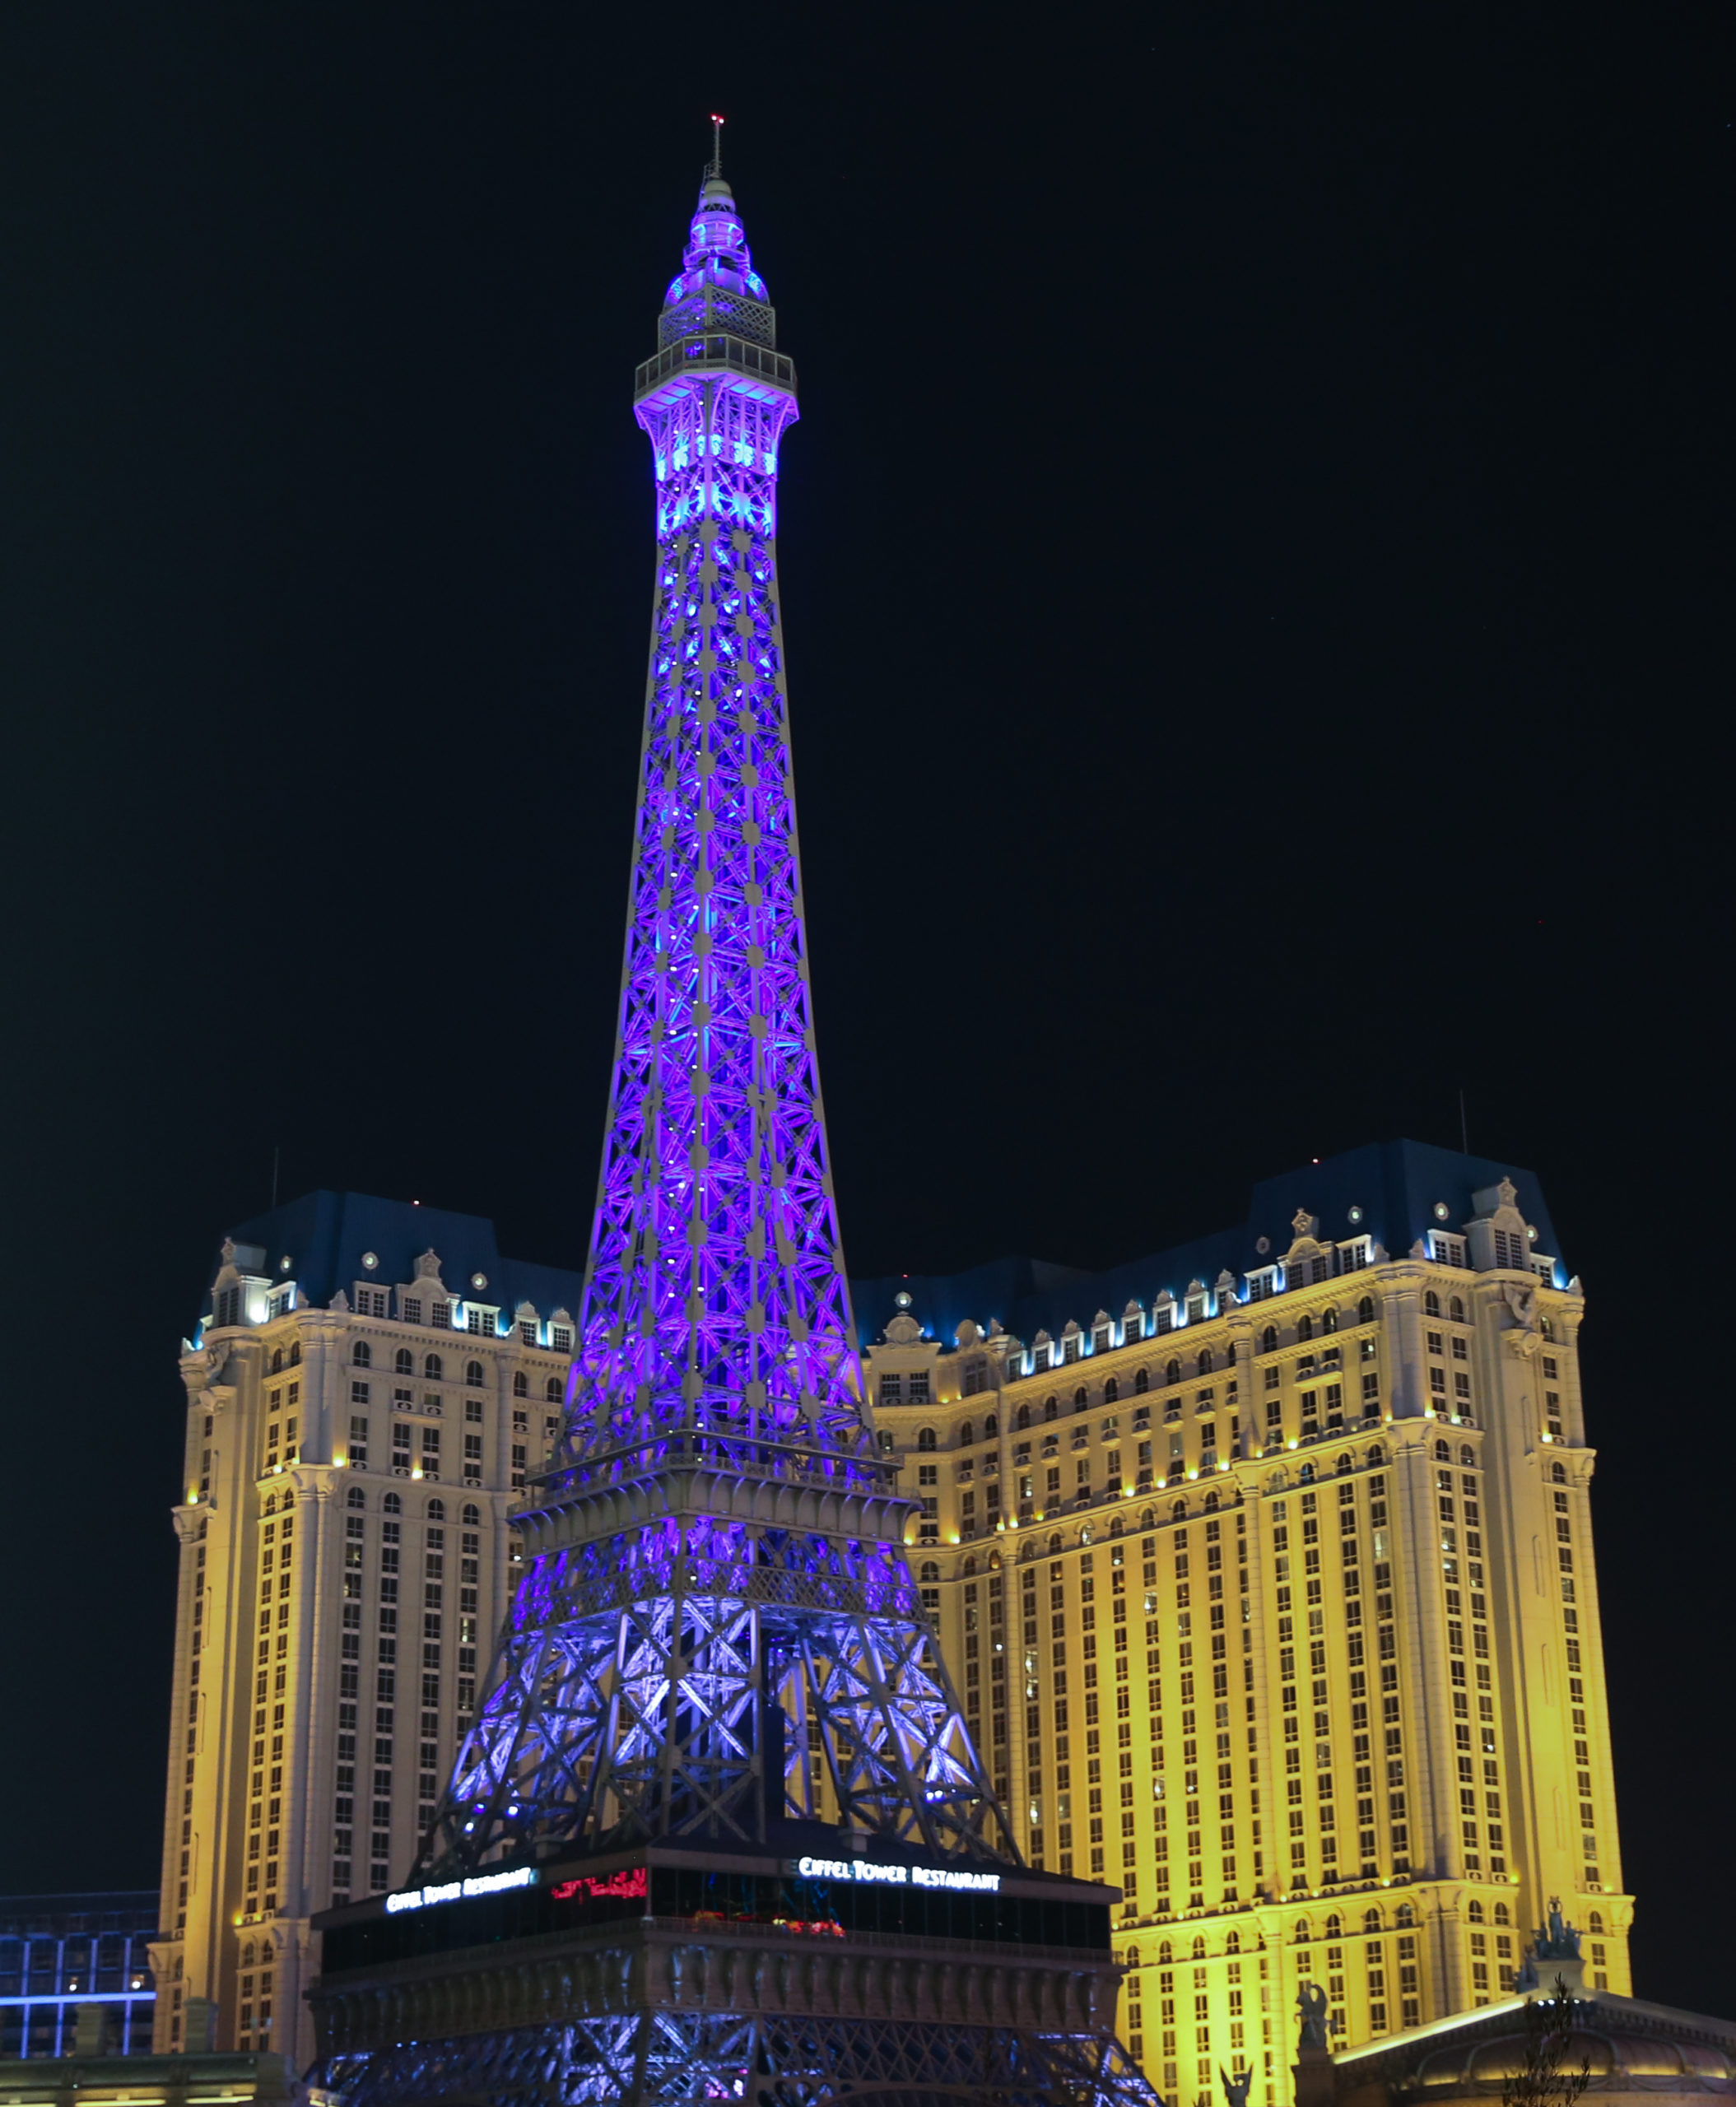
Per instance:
(318,1242)
(1397,1184)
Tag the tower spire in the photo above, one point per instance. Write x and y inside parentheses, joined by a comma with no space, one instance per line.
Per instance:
(716,167)
(719,1735)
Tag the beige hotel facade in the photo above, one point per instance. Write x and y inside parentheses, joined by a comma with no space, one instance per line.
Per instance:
(1264,1568)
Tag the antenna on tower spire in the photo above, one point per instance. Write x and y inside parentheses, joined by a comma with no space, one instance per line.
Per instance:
(717,146)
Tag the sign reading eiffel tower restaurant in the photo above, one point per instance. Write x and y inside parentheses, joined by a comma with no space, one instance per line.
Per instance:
(718,1832)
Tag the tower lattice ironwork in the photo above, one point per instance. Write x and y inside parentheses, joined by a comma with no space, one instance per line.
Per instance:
(718,1685)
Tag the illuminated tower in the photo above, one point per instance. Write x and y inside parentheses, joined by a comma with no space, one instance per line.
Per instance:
(720,1830)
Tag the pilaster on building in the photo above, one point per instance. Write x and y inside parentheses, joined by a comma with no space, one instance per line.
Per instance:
(1265,1569)
(368,1389)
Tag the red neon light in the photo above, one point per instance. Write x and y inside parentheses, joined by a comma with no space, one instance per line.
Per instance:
(631,1884)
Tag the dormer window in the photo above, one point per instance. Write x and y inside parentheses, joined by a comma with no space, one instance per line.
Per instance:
(1100,1339)
(410,1308)
(1446,1250)
(1196,1308)
(527,1331)
(891,1389)
(561,1339)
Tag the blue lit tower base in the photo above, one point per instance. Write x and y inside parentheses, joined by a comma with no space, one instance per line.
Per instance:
(719,1832)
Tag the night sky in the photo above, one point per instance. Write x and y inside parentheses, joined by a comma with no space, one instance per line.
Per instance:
(1252,558)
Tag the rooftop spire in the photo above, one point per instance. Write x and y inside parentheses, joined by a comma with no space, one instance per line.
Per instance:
(716,167)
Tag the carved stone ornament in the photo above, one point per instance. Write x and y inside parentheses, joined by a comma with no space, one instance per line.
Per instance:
(1523,1338)
(903,1330)
(1303,1224)
(428,1266)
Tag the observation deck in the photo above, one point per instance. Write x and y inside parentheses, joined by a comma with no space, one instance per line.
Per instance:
(753,369)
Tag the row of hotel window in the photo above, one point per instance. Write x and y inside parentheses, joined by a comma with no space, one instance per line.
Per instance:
(229,1308)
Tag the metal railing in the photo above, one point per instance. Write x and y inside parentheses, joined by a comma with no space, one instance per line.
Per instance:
(705,352)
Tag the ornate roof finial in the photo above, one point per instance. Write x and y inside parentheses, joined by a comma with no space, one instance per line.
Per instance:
(717,146)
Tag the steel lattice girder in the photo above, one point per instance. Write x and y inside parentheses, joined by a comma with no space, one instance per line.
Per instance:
(652,1715)
(658,2059)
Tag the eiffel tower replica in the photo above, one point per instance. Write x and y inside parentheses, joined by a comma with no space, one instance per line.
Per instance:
(719,1832)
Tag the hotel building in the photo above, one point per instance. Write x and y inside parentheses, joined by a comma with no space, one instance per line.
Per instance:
(1264,1566)
(367,1390)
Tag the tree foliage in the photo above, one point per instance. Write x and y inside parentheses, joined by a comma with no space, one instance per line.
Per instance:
(1545,2078)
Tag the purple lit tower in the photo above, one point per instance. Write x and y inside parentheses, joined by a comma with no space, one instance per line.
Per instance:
(719,1831)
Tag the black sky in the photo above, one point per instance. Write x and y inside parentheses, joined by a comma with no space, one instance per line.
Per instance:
(1256,577)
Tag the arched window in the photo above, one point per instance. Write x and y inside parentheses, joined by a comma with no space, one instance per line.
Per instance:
(969,1566)
(271,1503)
(278,1361)
(929,1570)
(991,1426)
(247,1954)
(520,1384)
(1377,1454)
(1021,1420)
(1147,1518)
(1114,1530)
(1211,1503)
(1111,1392)
(552,1390)
(436,1510)
(434,1368)
(1305,1475)
(472,1518)
(1303,1932)
(1048,1409)
(1054,1545)
(357,1497)
(403,1362)
(1199,1948)
(1347,1464)
(1431,1304)
(361,1355)
(392,1505)
(1365,1310)
(1172,1374)
(1142,1381)
(1335,1927)
(1329,1321)
(925,1437)
(1501,1913)
(1473,1913)
(1595,1924)
(1305,1328)
(1455,1309)
(1204,1364)
(1233,1943)
(1166,1952)
(1081,1401)
(1405,1914)
(473,1374)
(1557,1474)
(1443,1454)
(1178,1510)
(1370,1920)
(295,1354)
(1268,1339)
(1467,1455)
(966,1434)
